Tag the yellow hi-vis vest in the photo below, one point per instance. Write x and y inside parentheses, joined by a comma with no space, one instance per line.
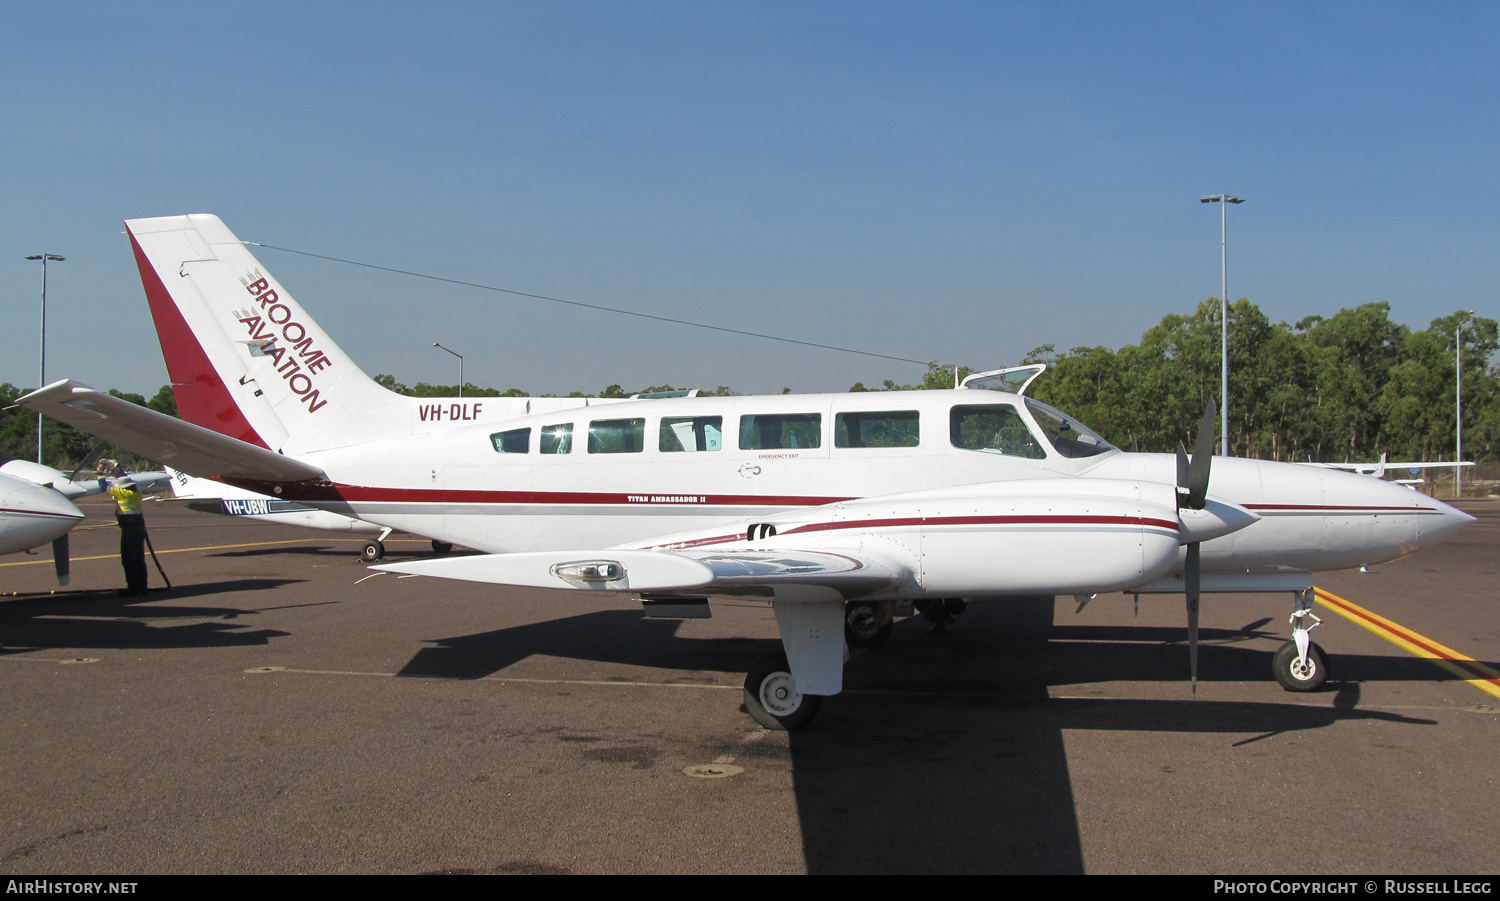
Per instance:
(127,499)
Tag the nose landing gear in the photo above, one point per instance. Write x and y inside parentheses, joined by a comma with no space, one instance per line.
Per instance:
(1299,665)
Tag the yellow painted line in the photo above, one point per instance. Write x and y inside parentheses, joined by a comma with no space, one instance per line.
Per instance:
(1467,668)
(180,550)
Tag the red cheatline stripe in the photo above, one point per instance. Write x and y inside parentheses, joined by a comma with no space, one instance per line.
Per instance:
(985,521)
(366,494)
(940,521)
(1337,508)
(40,513)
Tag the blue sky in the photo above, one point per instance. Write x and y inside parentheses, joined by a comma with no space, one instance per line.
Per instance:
(959,181)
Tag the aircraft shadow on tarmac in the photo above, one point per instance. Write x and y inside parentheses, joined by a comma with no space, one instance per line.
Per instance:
(954,745)
(104,620)
(612,636)
(300,550)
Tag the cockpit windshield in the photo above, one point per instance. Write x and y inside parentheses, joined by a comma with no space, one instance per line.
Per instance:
(1067,435)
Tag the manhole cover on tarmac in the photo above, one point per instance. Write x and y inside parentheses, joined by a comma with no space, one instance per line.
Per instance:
(712,770)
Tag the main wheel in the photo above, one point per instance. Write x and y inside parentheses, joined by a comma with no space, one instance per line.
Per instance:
(772,698)
(863,627)
(1294,677)
(372,551)
(441,547)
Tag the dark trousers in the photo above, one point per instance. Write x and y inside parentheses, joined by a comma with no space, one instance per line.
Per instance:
(133,549)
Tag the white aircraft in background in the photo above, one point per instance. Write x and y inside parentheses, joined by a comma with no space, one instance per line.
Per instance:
(209,496)
(834,507)
(36,507)
(1379,469)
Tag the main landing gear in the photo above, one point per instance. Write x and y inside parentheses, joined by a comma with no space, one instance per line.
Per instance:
(374,549)
(1299,665)
(869,625)
(772,698)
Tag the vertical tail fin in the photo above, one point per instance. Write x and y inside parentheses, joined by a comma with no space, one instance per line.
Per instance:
(245,359)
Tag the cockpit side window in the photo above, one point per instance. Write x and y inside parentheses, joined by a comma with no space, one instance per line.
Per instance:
(993,429)
(515,441)
(1070,437)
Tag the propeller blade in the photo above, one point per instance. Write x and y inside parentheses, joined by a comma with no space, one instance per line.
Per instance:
(60,559)
(1203,454)
(1182,476)
(89,459)
(1191,583)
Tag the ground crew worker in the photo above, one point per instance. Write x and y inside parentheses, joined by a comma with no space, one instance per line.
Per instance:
(132,535)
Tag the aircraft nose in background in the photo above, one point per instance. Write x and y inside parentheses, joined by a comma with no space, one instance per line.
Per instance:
(33,515)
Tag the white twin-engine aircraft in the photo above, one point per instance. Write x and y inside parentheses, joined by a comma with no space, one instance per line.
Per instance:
(36,506)
(835,507)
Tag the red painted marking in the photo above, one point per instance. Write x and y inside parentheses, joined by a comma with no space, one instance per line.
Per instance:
(1039,519)
(311,491)
(40,513)
(1346,508)
(1409,637)
(201,396)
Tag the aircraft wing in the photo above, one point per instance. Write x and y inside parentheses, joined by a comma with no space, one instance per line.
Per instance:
(1379,469)
(163,438)
(789,573)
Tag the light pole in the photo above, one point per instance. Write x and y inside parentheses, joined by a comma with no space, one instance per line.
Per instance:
(1226,200)
(1458,394)
(460,366)
(42,369)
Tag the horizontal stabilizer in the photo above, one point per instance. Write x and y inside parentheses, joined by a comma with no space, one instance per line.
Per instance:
(165,439)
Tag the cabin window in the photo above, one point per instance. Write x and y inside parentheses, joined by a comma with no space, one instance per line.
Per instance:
(1070,437)
(898,428)
(781,430)
(993,429)
(691,433)
(557,439)
(515,441)
(617,436)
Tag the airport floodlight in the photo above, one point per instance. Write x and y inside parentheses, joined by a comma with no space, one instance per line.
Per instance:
(1226,199)
(42,366)
(1458,413)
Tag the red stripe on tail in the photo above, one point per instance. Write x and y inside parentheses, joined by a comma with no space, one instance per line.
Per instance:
(202,398)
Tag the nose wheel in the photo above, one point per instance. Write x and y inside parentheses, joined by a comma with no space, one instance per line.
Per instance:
(1298,674)
(772,698)
(1299,665)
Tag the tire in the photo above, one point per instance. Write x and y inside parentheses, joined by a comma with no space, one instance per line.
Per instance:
(863,627)
(772,698)
(1284,667)
(441,547)
(372,551)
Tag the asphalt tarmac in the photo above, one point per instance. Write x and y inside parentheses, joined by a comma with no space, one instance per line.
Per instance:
(279,712)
